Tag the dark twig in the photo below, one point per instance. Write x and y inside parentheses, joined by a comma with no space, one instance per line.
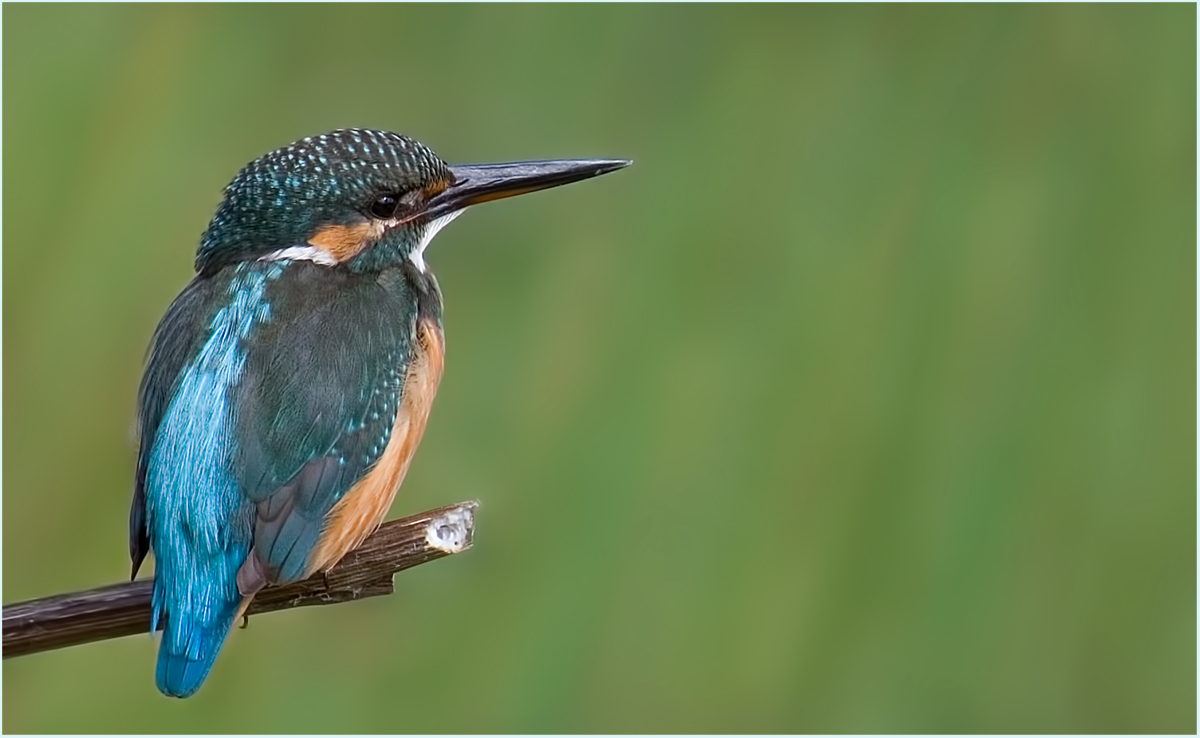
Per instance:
(124,609)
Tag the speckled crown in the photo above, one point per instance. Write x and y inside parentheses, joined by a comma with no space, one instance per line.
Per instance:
(281,194)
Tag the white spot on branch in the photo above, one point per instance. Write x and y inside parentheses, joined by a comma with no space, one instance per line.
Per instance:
(451,531)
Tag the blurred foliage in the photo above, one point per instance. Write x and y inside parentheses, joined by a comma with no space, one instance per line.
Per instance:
(864,401)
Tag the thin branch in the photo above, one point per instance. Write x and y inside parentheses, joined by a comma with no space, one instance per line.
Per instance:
(124,609)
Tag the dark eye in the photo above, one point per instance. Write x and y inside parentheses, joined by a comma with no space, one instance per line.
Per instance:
(384,206)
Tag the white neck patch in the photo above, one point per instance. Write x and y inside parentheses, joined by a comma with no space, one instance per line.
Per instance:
(417,257)
(306,253)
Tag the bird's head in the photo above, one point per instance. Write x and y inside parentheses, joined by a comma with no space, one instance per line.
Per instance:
(361,198)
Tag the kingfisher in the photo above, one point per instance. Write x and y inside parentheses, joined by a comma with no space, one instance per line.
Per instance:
(289,384)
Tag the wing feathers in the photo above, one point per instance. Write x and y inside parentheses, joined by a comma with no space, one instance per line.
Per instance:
(318,402)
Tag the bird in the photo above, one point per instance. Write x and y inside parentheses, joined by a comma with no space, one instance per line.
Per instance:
(288,385)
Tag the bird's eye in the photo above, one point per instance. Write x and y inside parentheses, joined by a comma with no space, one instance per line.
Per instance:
(384,206)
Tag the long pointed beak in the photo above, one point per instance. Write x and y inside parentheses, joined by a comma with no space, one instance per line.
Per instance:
(476,183)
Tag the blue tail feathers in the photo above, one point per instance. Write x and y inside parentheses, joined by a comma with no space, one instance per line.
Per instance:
(188,651)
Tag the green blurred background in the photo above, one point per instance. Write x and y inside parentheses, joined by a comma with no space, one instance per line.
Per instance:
(864,401)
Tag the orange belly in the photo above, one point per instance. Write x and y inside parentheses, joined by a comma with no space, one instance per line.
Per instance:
(360,512)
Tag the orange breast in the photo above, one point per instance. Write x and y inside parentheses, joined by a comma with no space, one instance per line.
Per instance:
(360,512)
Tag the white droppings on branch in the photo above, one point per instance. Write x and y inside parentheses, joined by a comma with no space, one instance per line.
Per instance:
(451,531)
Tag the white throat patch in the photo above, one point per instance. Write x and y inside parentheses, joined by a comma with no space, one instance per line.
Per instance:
(418,255)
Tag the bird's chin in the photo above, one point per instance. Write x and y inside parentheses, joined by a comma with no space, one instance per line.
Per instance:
(417,256)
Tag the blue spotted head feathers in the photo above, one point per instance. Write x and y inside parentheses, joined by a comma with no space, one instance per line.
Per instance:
(328,198)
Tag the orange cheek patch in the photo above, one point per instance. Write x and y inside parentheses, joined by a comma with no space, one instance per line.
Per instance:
(345,242)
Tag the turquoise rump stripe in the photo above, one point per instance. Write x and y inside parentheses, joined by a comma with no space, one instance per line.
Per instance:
(200,523)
